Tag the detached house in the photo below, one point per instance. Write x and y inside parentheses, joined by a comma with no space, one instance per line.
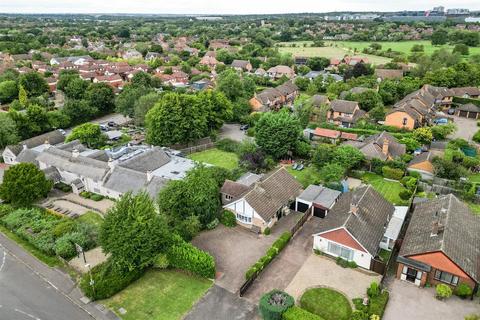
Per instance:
(441,245)
(422,164)
(355,227)
(275,98)
(280,71)
(381,146)
(242,65)
(344,113)
(261,204)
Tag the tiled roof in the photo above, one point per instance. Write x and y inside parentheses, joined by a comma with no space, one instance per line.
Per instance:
(344,106)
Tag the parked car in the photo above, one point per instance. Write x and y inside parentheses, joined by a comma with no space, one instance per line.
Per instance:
(451,111)
(63,132)
(440,121)
(103,127)
(244,127)
(112,124)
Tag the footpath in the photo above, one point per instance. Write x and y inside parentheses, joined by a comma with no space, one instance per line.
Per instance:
(58,280)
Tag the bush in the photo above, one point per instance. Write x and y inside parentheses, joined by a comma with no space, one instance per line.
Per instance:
(161,261)
(378,304)
(228,219)
(185,256)
(108,280)
(374,290)
(65,248)
(212,224)
(5,209)
(63,227)
(463,290)
(346,264)
(391,173)
(359,315)
(296,313)
(96,197)
(267,231)
(442,291)
(274,303)
(227,145)
(63,187)
(85,194)
(405,194)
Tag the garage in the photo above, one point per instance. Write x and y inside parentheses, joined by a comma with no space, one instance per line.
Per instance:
(319,212)
(463,114)
(301,206)
(469,111)
(472,115)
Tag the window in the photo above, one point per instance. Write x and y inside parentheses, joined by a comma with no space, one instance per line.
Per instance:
(385,240)
(340,251)
(446,277)
(228,197)
(244,219)
(404,122)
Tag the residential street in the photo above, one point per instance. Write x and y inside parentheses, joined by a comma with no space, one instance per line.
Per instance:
(24,295)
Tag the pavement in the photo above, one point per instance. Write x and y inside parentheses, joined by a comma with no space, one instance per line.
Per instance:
(408,301)
(466,128)
(220,304)
(31,290)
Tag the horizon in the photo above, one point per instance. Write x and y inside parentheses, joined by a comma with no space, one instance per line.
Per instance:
(221,8)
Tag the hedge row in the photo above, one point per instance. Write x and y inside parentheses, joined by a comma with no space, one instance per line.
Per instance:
(185,256)
(51,234)
(392,173)
(107,280)
(365,132)
(272,252)
(270,306)
(296,313)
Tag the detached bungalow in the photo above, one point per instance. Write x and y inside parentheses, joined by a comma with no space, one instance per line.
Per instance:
(355,227)
(441,245)
(261,204)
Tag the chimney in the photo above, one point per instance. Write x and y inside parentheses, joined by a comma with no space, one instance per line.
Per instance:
(47,144)
(75,153)
(149,176)
(354,208)
(24,147)
(385,146)
(437,228)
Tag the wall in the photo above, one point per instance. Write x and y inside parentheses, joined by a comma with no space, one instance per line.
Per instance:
(395,119)
(362,259)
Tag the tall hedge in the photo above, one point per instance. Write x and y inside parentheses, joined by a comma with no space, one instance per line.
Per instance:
(185,256)
(269,305)
(297,313)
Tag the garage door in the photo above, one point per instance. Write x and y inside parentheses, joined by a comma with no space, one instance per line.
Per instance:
(318,212)
(302,207)
(463,113)
(472,115)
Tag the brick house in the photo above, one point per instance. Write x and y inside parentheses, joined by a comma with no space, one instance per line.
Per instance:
(441,245)
(344,113)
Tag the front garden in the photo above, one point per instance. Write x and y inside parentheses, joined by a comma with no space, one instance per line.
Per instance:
(326,303)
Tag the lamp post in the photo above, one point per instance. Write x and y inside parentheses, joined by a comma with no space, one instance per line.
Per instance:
(92,282)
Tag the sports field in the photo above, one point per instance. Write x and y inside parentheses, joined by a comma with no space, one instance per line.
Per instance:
(338,49)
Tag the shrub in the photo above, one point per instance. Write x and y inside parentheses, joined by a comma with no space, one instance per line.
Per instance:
(392,173)
(96,197)
(405,194)
(476,137)
(185,256)
(374,317)
(274,303)
(267,231)
(212,224)
(5,209)
(85,194)
(346,264)
(296,313)
(161,261)
(63,187)
(65,248)
(227,145)
(374,290)
(463,290)
(108,280)
(442,291)
(228,219)
(378,304)
(359,315)
(63,227)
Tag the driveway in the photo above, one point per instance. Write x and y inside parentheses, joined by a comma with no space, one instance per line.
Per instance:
(232,131)
(237,249)
(410,302)
(285,266)
(320,271)
(115,117)
(220,304)
(466,128)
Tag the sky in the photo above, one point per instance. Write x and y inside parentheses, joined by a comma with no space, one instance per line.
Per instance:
(223,6)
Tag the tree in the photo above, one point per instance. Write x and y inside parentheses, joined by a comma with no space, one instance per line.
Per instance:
(37,119)
(34,84)
(143,105)
(89,134)
(347,156)
(8,91)
(302,83)
(461,49)
(190,203)
(277,133)
(217,108)
(176,118)
(8,131)
(234,86)
(23,184)
(133,232)
(439,37)
(332,172)
(76,88)
(423,135)
(126,100)
(101,97)
(57,119)
(22,96)
(79,111)
(142,79)
(368,100)
(417,48)
(323,155)
(318,63)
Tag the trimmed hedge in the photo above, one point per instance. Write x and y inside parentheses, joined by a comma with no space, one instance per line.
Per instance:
(378,304)
(392,173)
(272,252)
(108,280)
(185,256)
(227,145)
(345,263)
(228,219)
(297,313)
(271,311)
(463,290)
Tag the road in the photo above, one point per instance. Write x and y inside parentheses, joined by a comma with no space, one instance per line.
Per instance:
(25,296)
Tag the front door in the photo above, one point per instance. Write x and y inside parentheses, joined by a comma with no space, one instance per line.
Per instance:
(411,275)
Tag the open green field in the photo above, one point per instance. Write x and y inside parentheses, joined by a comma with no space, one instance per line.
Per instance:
(159,295)
(338,49)
(219,158)
(390,190)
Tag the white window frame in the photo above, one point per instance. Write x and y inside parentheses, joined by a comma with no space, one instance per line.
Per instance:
(332,248)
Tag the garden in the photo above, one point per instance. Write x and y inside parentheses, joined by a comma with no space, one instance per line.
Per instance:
(390,190)
(216,157)
(326,303)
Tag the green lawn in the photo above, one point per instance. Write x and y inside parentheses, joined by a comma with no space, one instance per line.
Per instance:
(327,303)
(159,295)
(474,207)
(390,190)
(219,158)
(92,218)
(384,255)
(474,178)
(309,175)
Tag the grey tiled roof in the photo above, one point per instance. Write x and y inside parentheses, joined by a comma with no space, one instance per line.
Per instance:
(149,160)
(233,189)
(369,224)
(373,145)
(469,107)
(344,106)
(28,155)
(424,156)
(124,180)
(273,192)
(53,137)
(459,240)
(320,195)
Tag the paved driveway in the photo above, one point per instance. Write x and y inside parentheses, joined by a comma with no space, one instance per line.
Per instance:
(319,271)
(232,131)
(410,302)
(466,128)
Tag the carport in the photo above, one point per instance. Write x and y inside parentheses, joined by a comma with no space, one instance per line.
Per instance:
(469,110)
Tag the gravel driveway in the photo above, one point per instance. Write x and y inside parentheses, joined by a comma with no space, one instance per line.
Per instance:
(466,128)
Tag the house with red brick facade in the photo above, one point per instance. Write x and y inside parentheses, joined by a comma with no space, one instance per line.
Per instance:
(441,245)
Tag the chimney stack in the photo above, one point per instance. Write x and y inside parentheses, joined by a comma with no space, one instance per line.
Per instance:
(75,153)
(385,146)
(47,144)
